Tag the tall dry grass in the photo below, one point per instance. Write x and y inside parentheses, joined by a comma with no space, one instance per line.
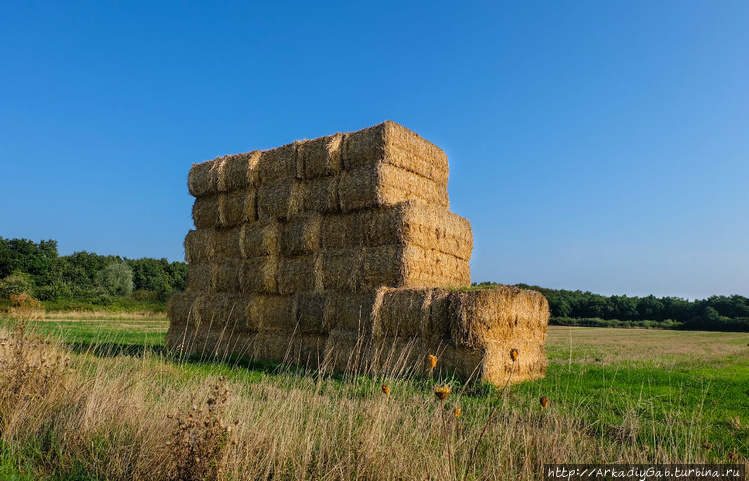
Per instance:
(157,418)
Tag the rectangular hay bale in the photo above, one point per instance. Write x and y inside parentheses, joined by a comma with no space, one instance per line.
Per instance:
(277,200)
(203,178)
(226,244)
(198,245)
(225,277)
(199,276)
(301,235)
(351,312)
(378,184)
(205,212)
(260,239)
(296,274)
(259,275)
(239,172)
(279,164)
(396,145)
(309,312)
(271,312)
(320,157)
(237,207)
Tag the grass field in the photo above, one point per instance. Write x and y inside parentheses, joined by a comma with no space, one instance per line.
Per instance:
(615,396)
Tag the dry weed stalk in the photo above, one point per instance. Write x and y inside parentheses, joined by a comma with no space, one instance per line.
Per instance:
(199,441)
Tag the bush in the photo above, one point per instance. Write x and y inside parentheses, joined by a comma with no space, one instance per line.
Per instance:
(16,283)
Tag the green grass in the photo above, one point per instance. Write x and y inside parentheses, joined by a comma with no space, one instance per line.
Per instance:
(637,394)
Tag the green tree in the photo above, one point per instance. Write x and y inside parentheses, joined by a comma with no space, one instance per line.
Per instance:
(116,279)
(16,283)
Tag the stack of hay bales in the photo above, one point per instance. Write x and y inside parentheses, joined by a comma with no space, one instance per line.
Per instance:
(339,252)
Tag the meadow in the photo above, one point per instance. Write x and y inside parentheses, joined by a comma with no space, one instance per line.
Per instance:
(97,397)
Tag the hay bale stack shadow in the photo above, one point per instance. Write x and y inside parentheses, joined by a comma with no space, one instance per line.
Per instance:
(341,254)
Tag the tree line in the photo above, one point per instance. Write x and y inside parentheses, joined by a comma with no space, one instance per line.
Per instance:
(38,270)
(723,313)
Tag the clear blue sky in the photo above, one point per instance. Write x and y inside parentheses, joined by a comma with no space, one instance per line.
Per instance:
(594,145)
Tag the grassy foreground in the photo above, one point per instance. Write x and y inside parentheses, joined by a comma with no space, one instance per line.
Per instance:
(103,400)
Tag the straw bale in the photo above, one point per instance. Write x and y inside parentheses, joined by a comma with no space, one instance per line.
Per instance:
(259,274)
(237,207)
(179,309)
(198,245)
(530,364)
(497,314)
(296,274)
(219,310)
(347,351)
(268,312)
(402,312)
(317,195)
(203,178)
(351,312)
(340,269)
(364,268)
(309,312)
(396,145)
(225,277)
(260,239)
(226,243)
(274,201)
(429,268)
(199,276)
(377,184)
(205,212)
(239,172)
(320,157)
(278,164)
(411,223)
(301,235)
(304,350)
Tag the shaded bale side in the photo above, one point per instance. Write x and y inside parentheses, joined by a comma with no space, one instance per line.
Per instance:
(351,312)
(309,312)
(259,275)
(301,235)
(237,207)
(268,312)
(463,362)
(296,274)
(402,312)
(239,172)
(274,200)
(347,352)
(203,178)
(179,309)
(381,184)
(205,212)
(225,277)
(199,277)
(319,157)
(299,350)
(215,344)
(339,270)
(279,164)
(396,145)
(260,239)
(198,245)
(316,195)
(226,244)
(500,313)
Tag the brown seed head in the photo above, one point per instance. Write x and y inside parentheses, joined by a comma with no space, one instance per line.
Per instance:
(442,392)
(386,389)
(707,445)
(457,412)
(544,401)
(514,354)
(733,456)
(431,361)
